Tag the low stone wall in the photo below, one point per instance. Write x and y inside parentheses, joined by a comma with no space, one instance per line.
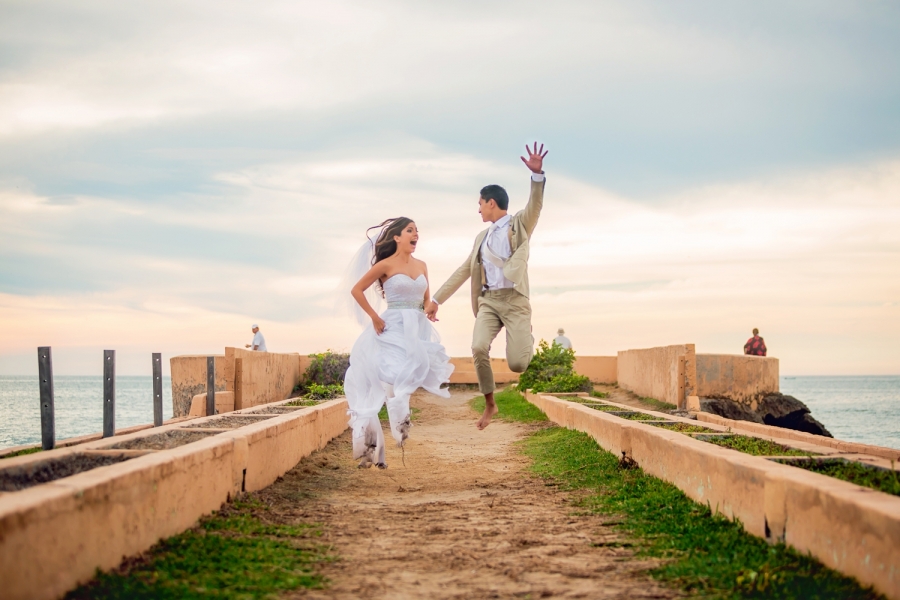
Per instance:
(738,377)
(464,371)
(189,379)
(849,528)
(55,536)
(260,377)
(600,369)
(667,373)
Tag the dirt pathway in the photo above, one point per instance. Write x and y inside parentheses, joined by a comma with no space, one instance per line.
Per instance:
(462,519)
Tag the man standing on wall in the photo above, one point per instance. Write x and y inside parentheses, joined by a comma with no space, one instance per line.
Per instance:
(259,342)
(755,346)
(498,266)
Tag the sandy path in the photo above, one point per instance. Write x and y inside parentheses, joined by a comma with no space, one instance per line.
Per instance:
(462,519)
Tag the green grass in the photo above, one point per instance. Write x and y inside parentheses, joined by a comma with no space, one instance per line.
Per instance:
(597,394)
(756,447)
(706,555)
(686,428)
(22,452)
(303,402)
(234,554)
(513,407)
(854,472)
(658,404)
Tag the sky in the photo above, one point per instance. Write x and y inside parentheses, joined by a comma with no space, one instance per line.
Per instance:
(171,172)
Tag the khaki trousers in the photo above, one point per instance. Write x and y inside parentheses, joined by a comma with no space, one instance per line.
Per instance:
(498,309)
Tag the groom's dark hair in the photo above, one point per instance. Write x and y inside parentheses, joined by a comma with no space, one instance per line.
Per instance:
(497,194)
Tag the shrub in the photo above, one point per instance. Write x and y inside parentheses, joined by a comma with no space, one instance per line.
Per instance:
(551,370)
(565,382)
(323,392)
(326,369)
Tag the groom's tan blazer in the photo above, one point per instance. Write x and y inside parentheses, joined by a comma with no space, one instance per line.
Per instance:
(516,268)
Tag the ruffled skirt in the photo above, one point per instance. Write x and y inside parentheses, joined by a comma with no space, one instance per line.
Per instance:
(387,369)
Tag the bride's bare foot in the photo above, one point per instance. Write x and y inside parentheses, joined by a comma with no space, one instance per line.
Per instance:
(490,409)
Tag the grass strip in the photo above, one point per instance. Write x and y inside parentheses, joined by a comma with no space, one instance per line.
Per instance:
(685,428)
(235,554)
(22,452)
(658,404)
(597,394)
(756,446)
(705,554)
(854,472)
(513,407)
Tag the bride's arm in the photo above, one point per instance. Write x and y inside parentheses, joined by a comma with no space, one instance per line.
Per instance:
(358,292)
(429,305)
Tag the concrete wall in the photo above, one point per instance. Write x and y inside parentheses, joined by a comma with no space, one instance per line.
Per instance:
(667,373)
(736,376)
(260,377)
(601,369)
(189,379)
(849,528)
(54,536)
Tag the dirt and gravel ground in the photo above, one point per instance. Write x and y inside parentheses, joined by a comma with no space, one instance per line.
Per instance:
(462,518)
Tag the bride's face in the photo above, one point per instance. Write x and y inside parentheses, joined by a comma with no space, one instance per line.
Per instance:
(408,238)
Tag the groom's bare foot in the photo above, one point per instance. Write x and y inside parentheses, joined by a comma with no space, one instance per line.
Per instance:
(490,409)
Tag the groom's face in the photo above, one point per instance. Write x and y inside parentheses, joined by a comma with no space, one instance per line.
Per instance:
(488,210)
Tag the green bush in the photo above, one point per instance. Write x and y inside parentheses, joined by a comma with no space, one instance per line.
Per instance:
(565,382)
(326,369)
(551,370)
(323,392)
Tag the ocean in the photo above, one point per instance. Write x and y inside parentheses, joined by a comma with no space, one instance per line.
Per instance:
(79,406)
(859,409)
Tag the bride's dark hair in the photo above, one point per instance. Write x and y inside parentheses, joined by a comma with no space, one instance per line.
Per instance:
(385,246)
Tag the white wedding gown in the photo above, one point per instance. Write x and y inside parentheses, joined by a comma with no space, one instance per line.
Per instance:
(388,368)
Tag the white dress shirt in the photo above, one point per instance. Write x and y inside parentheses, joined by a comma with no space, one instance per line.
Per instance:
(495,251)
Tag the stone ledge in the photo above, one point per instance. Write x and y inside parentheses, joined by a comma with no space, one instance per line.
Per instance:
(849,528)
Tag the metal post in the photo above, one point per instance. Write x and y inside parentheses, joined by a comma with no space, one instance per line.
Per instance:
(157,389)
(210,385)
(109,393)
(45,384)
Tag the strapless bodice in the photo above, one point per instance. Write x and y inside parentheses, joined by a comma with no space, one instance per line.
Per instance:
(402,291)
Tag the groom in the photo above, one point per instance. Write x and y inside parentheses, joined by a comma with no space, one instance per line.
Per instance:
(498,266)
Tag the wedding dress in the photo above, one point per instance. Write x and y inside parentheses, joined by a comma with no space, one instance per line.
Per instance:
(388,368)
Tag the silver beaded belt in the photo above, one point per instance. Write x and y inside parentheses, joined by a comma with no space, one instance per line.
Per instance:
(401,305)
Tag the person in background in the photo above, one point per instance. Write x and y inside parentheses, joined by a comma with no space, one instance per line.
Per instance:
(259,342)
(755,346)
(562,340)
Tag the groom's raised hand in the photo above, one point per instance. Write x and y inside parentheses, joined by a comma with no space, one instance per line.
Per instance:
(535,160)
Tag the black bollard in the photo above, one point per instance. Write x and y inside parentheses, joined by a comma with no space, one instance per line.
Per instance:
(210,385)
(45,384)
(109,393)
(157,390)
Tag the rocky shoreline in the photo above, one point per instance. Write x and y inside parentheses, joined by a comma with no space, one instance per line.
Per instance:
(771,409)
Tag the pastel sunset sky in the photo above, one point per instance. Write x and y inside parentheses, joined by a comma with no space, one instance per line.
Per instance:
(172,172)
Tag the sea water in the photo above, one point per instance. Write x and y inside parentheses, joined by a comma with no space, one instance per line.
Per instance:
(79,406)
(862,409)
(858,409)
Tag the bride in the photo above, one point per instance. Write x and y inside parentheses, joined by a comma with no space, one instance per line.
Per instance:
(401,351)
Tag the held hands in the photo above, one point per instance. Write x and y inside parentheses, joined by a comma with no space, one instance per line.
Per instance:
(246,345)
(378,324)
(535,160)
(431,311)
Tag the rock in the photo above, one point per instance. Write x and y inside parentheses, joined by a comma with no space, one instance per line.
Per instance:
(772,409)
